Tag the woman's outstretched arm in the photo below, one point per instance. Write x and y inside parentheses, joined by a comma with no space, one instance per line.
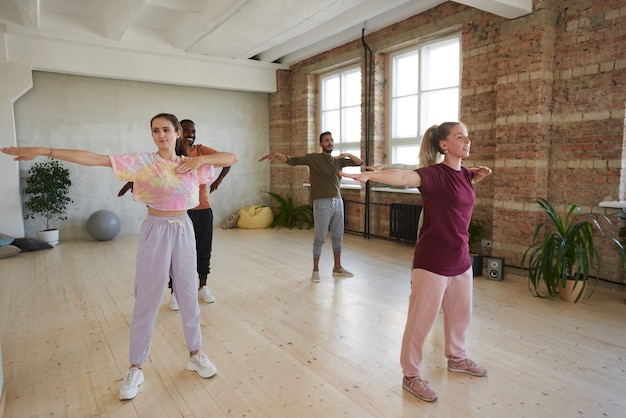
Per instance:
(81,157)
(392,177)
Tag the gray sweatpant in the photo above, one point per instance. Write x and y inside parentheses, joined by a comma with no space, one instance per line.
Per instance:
(327,214)
(166,246)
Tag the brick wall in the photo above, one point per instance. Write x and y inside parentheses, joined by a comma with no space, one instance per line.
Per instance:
(543,97)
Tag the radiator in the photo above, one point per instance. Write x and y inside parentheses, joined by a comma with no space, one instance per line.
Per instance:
(403,220)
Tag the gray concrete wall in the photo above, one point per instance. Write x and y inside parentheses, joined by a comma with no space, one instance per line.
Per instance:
(113,116)
(15,80)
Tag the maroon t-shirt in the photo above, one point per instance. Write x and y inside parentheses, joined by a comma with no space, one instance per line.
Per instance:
(448,200)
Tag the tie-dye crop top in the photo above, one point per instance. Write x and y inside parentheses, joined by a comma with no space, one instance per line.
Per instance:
(156,182)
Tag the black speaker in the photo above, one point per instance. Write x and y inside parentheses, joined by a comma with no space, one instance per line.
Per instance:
(495,268)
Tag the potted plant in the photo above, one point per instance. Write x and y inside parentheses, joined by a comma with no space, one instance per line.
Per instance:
(47,189)
(291,216)
(563,257)
(476,233)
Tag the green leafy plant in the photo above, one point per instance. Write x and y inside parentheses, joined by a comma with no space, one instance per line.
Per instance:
(47,189)
(476,232)
(566,251)
(291,216)
(621,225)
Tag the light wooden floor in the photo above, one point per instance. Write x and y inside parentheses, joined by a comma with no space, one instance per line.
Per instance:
(285,347)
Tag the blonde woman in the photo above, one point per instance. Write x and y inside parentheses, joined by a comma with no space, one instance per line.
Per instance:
(442,274)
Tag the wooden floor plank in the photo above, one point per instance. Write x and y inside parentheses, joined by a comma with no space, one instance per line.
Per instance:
(286,347)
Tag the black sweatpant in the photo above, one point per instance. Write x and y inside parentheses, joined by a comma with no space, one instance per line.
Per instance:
(202,220)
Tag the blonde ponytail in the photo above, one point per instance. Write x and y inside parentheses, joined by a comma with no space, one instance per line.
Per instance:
(430,151)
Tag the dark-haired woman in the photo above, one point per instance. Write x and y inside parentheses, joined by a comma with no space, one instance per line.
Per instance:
(168,185)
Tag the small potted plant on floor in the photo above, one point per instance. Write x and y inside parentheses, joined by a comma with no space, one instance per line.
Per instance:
(563,259)
(47,192)
(476,233)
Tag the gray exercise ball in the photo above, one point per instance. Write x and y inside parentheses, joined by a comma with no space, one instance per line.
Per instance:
(103,225)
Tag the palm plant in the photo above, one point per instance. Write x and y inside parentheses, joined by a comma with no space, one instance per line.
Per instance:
(565,251)
(291,216)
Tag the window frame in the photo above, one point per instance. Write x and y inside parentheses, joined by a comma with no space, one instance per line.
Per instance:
(393,143)
(340,145)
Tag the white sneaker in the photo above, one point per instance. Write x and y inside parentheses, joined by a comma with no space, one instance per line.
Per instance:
(206,294)
(173,302)
(130,384)
(201,364)
(315,277)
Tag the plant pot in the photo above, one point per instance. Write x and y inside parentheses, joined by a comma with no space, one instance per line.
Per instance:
(50,236)
(574,291)
(477,264)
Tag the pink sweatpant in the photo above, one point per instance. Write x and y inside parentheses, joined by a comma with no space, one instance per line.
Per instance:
(429,293)
(167,245)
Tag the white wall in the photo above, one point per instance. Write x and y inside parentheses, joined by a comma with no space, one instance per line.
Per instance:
(1,380)
(15,80)
(113,116)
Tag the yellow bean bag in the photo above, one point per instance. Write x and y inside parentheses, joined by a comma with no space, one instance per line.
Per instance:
(255,217)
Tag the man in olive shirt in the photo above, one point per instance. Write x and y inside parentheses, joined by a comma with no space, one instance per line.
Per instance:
(327,204)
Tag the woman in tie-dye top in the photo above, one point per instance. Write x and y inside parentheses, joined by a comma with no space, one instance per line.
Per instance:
(168,185)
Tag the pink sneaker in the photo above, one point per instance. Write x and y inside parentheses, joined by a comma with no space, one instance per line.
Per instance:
(419,387)
(467,366)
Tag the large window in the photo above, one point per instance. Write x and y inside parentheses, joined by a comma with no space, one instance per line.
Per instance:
(340,109)
(425,89)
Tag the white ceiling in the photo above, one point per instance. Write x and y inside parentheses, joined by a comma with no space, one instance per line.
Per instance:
(276,32)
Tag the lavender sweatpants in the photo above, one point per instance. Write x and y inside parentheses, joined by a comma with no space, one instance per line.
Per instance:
(429,293)
(167,246)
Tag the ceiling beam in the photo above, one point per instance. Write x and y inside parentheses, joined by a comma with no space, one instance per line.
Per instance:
(324,24)
(119,15)
(306,45)
(29,12)
(511,9)
(45,54)
(186,39)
